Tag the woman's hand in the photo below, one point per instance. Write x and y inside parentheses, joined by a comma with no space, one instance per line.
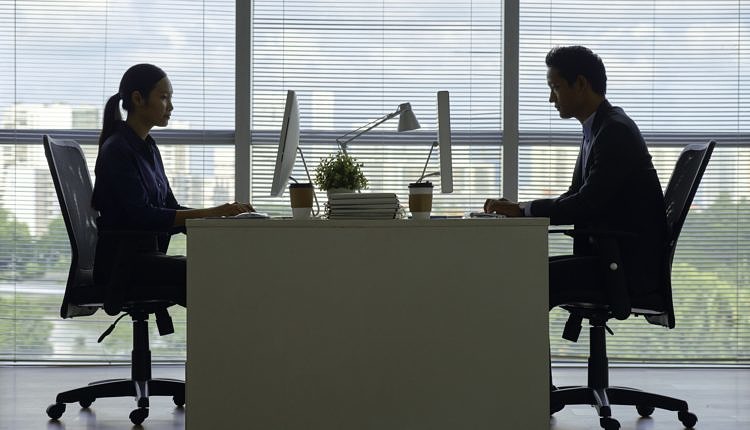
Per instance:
(231,209)
(227,209)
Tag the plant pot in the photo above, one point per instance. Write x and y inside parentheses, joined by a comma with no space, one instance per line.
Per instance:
(337,191)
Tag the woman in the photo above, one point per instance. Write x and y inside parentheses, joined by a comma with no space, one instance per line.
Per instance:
(132,193)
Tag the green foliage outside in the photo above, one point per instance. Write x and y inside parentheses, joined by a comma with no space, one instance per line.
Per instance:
(27,319)
(31,257)
(25,333)
(340,171)
(711,296)
(710,284)
(14,235)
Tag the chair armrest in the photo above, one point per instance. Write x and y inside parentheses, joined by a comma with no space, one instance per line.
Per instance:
(594,232)
(614,279)
(131,242)
(132,233)
(607,247)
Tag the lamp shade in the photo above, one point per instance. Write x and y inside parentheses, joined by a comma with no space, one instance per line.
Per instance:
(407,121)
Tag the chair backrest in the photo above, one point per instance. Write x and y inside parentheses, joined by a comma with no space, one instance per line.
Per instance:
(682,187)
(678,197)
(70,175)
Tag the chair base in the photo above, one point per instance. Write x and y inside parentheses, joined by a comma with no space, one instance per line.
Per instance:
(603,398)
(140,390)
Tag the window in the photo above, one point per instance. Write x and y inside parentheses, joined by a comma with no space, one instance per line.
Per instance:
(351,62)
(61,62)
(679,69)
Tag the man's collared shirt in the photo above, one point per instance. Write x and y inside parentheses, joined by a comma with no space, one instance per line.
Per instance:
(587,139)
(585,151)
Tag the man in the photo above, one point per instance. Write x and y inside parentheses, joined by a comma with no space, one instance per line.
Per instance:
(614,187)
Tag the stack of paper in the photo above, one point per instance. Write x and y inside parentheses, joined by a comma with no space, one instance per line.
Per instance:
(363,206)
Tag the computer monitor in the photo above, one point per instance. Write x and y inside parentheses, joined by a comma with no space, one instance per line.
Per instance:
(288,142)
(444,141)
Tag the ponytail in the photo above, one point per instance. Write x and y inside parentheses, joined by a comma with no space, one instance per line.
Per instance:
(141,78)
(112,117)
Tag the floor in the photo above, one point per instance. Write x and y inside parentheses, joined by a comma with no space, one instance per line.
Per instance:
(26,391)
(720,398)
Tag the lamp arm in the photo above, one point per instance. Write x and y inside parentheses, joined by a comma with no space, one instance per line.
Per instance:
(367,127)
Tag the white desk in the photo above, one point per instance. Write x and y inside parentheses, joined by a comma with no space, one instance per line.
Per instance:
(367,325)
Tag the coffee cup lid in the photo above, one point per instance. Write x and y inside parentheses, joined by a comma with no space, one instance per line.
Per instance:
(301,185)
(425,184)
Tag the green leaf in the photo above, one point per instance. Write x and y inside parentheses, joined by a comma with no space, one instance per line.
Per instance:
(340,170)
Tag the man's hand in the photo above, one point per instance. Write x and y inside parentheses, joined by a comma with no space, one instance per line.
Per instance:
(503,207)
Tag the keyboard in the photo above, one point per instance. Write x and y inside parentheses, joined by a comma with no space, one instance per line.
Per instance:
(256,215)
(485,215)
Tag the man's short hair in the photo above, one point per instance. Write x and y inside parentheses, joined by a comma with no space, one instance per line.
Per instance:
(571,61)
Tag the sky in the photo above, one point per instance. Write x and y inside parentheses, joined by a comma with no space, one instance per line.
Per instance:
(674,66)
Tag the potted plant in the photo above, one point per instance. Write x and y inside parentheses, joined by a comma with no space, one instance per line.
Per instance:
(340,173)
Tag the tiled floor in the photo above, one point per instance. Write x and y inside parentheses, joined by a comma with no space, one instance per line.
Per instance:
(720,398)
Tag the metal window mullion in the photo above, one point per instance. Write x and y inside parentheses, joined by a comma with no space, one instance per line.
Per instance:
(242,101)
(511,34)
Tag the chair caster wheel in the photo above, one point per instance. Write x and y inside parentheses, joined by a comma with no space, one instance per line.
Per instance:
(609,423)
(645,411)
(688,419)
(138,415)
(85,403)
(179,401)
(55,411)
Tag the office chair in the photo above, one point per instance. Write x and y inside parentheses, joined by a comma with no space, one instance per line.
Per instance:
(657,310)
(70,175)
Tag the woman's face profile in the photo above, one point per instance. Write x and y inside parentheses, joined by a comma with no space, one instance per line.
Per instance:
(158,108)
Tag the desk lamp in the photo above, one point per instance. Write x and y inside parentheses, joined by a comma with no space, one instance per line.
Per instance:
(406,122)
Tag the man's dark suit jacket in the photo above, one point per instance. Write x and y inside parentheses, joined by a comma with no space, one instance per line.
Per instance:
(619,190)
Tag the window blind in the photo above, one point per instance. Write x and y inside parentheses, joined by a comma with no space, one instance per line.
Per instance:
(679,69)
(61,61)
(351,62)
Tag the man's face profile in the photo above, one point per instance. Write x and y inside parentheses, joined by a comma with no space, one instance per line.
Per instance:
(562,94)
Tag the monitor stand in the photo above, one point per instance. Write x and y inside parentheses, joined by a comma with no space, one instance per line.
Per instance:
(307,172)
